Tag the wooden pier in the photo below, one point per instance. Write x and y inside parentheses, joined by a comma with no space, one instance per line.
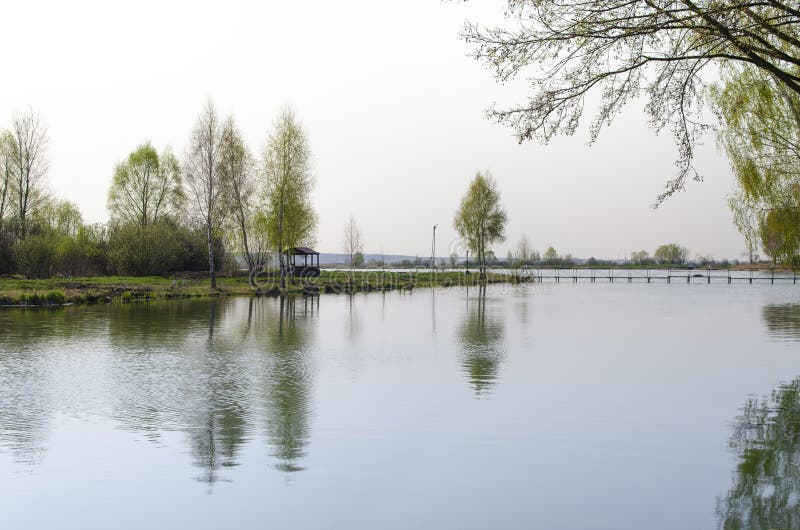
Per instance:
(622,275)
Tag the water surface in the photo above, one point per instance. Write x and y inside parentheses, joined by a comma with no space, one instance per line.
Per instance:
(561,406)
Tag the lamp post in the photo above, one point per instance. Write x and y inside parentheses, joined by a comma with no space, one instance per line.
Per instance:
(433,248)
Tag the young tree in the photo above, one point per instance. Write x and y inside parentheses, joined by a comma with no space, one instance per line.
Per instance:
(30,165)
(550,256)
(524,253)
(626,49)
(205,182)
(6,174)
(300,226)
(287,168)
(671,253)
(246,200)
(62,216)
(640,257)
(145,187)
(353,244)
(480,219)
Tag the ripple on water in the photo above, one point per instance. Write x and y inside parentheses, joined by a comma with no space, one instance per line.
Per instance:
(782,321)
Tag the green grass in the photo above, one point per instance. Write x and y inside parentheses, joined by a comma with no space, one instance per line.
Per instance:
(57,291)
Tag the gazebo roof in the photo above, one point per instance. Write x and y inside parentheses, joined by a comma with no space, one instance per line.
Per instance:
(304,251)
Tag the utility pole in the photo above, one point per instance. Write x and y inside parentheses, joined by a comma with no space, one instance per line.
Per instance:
(433,248)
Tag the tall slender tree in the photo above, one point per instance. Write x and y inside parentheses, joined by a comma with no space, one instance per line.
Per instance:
(30,165)
(353,243)
(205,183)
(6,174)
(246,200)
(481,220)
(287,169)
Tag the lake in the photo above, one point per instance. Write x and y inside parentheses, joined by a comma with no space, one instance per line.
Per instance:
(613,406)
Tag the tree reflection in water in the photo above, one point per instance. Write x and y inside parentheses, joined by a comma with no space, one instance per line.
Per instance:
(178,365)
(480,339)
(766,484)
(30,379)
(289,379)
(782,320)
(218,427)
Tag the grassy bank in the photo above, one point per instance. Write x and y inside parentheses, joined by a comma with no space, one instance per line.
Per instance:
(17,291)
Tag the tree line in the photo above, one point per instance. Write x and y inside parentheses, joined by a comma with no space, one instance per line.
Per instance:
(167,213)
(481,220)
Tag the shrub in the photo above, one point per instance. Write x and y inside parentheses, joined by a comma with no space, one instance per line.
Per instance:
(158,249)
(36,255)
(6,252)
(83,254)
(144,251)
(55,297)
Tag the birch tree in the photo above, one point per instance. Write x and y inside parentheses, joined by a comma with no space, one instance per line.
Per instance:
(6,174)
(246,200)
(205,182)
(524,251)
(481,220)
(353,243)
(287,169)
(29,165)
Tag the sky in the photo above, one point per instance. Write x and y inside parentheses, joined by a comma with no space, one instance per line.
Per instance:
(394,107)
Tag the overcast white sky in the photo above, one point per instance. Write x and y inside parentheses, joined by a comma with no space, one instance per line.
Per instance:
(393,104)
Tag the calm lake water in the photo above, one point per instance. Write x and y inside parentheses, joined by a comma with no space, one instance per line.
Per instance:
(565,406)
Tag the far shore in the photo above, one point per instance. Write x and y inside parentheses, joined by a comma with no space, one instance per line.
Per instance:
(16,291)
(22,292)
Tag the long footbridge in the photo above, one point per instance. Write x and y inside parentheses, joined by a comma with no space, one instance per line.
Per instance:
(687,275)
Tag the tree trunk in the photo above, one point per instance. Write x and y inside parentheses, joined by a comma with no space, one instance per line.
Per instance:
(283,269)
(212,273)
(482,275)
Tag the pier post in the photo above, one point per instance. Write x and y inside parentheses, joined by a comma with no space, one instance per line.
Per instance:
(751,275)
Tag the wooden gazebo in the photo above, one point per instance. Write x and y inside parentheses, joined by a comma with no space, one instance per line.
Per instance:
(304,268)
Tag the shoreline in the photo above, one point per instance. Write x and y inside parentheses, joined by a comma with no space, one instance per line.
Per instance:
(57,292)
(54,292)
